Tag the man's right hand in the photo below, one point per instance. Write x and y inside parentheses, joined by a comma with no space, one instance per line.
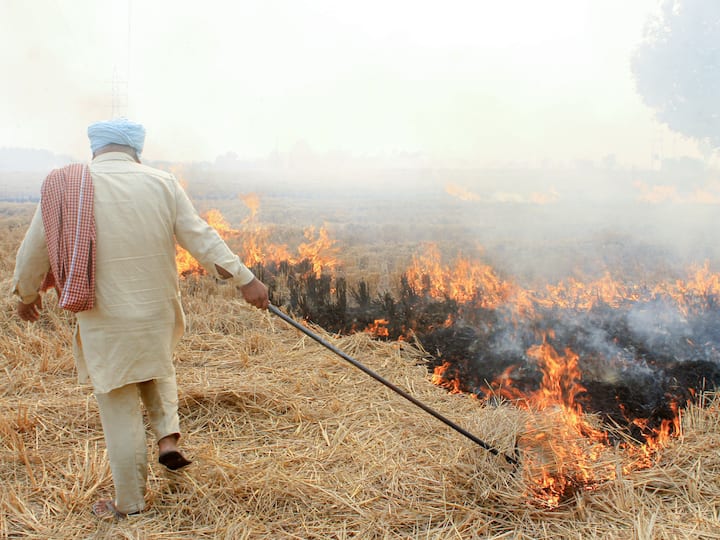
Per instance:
(256,294)
(30,312)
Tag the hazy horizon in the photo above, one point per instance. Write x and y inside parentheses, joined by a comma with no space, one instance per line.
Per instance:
(513,109)
(457,84)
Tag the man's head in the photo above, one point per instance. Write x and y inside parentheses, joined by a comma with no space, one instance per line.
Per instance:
(113,135)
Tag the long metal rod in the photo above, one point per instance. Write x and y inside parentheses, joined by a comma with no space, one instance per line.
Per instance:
(391,386)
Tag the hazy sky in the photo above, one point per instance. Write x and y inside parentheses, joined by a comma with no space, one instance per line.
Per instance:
(482,81)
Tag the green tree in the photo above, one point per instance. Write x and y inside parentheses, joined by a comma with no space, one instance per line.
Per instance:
(677,68)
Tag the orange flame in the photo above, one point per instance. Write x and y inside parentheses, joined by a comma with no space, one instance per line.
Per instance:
(257,247)
(578,442)
(461,193)
(320,251)
(440,378)
(472,282)
(571,459)
(319,248)
(567,449)
(657,440)
(185,262)
(466,282)
(252,201)
(379,328)
(578,295)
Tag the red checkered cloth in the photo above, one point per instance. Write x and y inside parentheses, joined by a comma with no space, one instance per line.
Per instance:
(67,197)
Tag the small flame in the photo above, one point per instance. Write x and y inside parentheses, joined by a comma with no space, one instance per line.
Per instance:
(664,194)
(379,328)
(320,250)
(461,193)
(441,378)
(252,201)
(541,198)
(185,262)
(178,172)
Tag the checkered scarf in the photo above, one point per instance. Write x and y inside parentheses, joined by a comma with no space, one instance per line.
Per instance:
(67,197)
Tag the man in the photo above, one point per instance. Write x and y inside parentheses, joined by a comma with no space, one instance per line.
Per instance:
(105,236)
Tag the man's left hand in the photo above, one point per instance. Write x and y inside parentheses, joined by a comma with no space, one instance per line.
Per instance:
(30,312)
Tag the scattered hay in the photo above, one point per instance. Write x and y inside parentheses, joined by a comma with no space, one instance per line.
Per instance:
(290,441)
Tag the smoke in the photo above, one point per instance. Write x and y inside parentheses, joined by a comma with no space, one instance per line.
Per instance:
(659,325)
(54,82)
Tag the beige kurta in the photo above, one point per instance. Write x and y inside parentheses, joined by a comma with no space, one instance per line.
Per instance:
(140,212)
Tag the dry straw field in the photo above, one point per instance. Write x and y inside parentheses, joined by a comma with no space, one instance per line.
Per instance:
(289,441)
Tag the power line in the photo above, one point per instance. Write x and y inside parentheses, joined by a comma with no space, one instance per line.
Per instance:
(121,85)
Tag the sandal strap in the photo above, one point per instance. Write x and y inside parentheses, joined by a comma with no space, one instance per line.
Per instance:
(106,507)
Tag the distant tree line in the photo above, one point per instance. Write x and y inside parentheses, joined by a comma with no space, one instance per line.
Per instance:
(20,198)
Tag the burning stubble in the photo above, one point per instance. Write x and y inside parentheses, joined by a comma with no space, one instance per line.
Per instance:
(611,361)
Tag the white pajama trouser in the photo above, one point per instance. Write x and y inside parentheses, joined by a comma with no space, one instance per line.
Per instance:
(122,421)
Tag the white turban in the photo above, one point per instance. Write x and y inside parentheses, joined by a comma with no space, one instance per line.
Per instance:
(116,131)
